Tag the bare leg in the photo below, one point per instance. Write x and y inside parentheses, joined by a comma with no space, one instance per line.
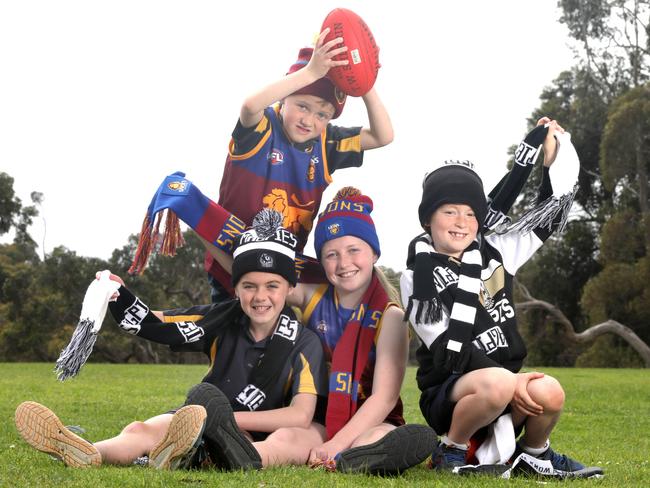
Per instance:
(481,395)
(135,440)
(548,393)
(290,445)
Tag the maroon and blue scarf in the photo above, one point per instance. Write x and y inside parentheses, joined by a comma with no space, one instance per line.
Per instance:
(350,357)
(179,198)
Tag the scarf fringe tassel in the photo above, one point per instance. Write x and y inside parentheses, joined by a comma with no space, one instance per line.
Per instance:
(428,312)
(150,240)
(75,355)
(546,213)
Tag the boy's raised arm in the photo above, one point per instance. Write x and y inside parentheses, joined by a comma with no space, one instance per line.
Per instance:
(380,130)
(320,63)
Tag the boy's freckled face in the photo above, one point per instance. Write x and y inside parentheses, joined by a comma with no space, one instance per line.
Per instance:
(453,227)
(304,117)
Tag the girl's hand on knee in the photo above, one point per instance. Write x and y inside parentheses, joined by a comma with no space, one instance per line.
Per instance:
(521,400)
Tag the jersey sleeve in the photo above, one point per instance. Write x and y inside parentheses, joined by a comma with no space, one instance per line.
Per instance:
(134,316)
(245,139)
(343,147)
(309,369)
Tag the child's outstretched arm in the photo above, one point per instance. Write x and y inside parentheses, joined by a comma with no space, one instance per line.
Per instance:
(380,130)
(320,63)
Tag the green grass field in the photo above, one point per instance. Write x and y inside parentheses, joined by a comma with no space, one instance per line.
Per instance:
(606,422)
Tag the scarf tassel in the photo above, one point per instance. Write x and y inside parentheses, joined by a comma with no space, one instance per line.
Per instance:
(428,311)
(75,355)
(172,239)
(546,213)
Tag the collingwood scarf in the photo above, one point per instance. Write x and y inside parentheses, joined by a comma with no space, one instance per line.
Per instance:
(425,297)
(462,299)
(270,365)
(350,357)
(93,311)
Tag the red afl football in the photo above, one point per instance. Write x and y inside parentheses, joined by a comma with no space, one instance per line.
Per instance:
(359,75)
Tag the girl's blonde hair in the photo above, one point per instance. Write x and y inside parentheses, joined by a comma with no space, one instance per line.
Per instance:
(391,291)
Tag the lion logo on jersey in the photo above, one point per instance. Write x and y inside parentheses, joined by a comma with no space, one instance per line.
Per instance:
(296,216)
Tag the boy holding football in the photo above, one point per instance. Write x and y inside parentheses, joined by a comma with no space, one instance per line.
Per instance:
(284,149)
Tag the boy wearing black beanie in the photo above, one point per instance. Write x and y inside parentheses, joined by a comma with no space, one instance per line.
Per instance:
(459,294)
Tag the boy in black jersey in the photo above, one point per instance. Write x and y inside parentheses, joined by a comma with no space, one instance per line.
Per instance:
(266,372)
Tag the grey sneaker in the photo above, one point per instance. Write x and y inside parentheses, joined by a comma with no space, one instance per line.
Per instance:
(183,437)
(229,448)
(43,430)
(400,449)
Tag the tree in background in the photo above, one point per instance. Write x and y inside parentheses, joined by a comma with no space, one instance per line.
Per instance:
(604,103)
(40,300)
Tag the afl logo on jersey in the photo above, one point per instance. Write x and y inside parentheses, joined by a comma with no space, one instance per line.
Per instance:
(276,157)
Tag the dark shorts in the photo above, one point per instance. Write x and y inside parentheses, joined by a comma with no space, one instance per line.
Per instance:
(436,407)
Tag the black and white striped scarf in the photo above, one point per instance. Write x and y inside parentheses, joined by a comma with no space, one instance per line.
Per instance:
(463,301)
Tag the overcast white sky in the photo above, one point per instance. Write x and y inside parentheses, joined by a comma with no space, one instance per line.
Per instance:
(99,101)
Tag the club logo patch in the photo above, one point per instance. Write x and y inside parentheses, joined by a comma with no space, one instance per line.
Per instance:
(178,186)
(311,171)
(266,261)
(276,157)
(321,327)
(334,229)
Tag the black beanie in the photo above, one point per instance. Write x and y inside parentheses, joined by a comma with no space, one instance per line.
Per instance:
(266,247)
(455,182)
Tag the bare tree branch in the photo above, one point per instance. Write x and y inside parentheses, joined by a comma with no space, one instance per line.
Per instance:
(590,334)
